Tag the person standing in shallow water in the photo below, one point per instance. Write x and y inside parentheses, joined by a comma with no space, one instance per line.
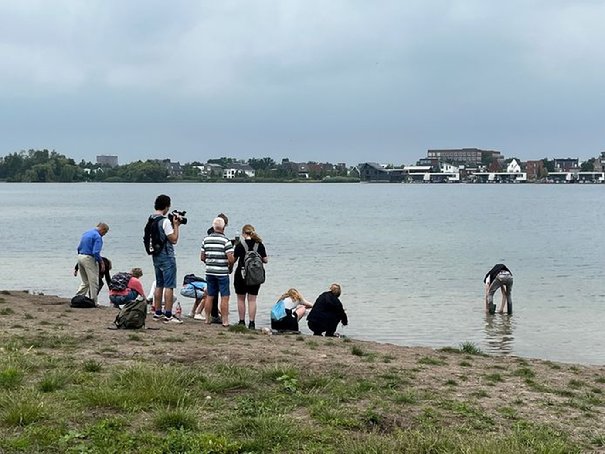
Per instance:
(499,277)
(242,290)
(90,262)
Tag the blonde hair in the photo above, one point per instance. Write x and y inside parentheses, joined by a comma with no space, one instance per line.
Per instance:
(248,229)
(292,293)
(136,272)
(335,289)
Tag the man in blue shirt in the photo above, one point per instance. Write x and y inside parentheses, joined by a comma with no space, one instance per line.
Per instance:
(90,262)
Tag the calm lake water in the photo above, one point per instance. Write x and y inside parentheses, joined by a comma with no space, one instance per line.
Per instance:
(411,258)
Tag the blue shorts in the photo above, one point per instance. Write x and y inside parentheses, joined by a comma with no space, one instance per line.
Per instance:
(118,300)
(165,271)
(217,284)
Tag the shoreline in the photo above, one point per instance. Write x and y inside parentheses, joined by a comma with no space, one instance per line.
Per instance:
(359,394)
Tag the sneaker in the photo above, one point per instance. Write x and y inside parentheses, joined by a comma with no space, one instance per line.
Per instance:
(242,322)
(172,320)
(251,325)
(159,318)
(199,317)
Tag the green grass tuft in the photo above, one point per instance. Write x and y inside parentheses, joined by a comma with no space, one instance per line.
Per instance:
(179,419)
(470,348)
(11,377)
(6,311)
(91,365)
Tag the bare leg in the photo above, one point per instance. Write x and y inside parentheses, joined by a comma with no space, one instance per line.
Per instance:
(252,307)
(208,308)
(241,306)
(225,310)
(300,312)
(157,298)
(504,299)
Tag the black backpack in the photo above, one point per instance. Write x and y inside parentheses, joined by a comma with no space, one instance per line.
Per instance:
(152,239)
(82,302)
(253,271)
(119,281)
(132,315)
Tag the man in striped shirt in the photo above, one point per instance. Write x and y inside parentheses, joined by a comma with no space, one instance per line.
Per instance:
(217,254)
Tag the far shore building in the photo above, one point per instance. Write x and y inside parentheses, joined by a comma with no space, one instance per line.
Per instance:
(374,172)
(566,164)
(535,170)
(107,160)
(236,170)
(468,156)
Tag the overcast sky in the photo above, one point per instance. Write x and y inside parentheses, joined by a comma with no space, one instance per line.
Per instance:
(330,80)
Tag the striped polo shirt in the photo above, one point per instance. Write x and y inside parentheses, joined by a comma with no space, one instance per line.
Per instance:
(216,246)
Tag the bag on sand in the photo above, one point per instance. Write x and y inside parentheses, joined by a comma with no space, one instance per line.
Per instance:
(82,302)
(132,315)
(253,271)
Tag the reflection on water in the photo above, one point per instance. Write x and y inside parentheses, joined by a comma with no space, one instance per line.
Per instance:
(499,334)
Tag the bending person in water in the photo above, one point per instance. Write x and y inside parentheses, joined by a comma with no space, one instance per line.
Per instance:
(499,277)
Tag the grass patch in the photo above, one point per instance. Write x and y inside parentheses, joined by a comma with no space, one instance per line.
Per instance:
(21,408)
(431,361)
(6,311)
(91,365)
(357,351)
(11,377)
(494,378)
(179,419)
(524,372)
(470,348)
(52,382)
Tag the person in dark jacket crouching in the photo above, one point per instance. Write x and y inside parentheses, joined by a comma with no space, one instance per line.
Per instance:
(327,312)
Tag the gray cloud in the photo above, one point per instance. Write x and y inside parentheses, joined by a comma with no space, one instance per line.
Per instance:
(339,80)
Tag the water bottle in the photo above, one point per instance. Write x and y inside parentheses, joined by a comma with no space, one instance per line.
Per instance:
(178,310)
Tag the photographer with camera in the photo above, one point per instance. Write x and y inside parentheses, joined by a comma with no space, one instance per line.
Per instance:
(164,260)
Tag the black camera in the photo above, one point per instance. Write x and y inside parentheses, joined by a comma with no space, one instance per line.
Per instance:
(179,214)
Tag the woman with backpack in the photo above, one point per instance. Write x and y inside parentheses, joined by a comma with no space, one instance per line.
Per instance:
(288,311)
(250,274)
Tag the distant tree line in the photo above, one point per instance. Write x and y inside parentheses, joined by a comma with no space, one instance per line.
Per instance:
(46,166)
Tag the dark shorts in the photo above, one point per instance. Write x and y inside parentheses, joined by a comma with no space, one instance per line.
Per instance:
(240,285)
(288,323)
(217,284)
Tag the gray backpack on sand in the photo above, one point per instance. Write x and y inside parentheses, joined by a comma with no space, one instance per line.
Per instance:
(253,271)
(132,315)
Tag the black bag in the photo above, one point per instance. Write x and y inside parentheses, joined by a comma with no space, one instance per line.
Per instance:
(82,302)
(189,278)
(132,315)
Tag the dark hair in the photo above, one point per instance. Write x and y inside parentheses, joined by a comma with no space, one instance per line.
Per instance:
(162,202)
